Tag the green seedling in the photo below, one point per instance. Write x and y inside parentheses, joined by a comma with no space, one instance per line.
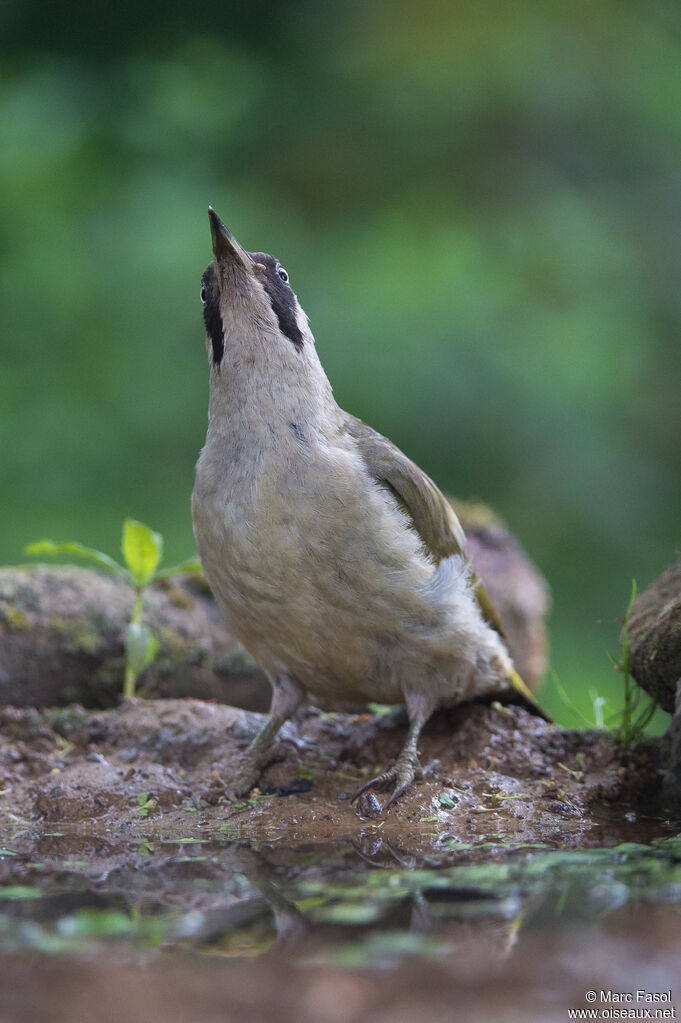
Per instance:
(569,703)
(145,804)
(499,798)
(381,710)
(630,725)
(142,549)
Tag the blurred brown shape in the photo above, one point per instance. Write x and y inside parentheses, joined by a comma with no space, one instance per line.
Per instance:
(61,641)
(655,637)
(655,660)
(518,590)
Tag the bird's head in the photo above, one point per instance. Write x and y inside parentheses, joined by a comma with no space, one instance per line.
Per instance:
(249,307)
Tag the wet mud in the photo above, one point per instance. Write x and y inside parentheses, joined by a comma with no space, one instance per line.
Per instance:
(486,770)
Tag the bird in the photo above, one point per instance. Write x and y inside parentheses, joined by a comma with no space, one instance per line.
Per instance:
(336,561)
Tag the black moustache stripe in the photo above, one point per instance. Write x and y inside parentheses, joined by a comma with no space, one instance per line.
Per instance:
(282,298)
(211,315)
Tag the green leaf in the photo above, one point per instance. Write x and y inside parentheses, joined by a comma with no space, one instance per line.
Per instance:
(141,646)
(152,648)
(380,709)
(96,923)
(41,547)
(184,841)
(446,800)
(188,567)
(142,549)
(349,913)
(20,891)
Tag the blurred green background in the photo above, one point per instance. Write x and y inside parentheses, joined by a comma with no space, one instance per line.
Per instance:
(479,205)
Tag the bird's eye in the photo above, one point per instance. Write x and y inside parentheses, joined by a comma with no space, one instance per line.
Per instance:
(202,294)
(282,273)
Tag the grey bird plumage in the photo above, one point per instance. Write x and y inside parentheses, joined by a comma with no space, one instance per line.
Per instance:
(336,561)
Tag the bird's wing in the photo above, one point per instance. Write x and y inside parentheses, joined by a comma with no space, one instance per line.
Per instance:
(432,515)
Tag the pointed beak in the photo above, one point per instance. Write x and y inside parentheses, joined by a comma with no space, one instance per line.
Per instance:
(225,246)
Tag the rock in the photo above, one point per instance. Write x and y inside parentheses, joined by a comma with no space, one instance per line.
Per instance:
(655,637)
(61,641)
(655,661)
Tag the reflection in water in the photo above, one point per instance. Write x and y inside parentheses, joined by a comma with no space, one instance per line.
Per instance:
(371,904)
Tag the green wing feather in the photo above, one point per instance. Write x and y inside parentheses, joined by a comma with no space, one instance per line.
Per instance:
(432,515)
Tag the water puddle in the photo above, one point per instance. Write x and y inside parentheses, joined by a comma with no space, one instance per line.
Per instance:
(365,904)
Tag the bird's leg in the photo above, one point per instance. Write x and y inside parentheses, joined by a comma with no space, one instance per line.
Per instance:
(287,696)
(403,772)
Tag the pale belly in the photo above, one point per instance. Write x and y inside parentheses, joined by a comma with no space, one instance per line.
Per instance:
(308,585)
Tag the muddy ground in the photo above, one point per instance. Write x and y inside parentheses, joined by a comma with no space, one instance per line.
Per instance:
(130,888)
(164,764)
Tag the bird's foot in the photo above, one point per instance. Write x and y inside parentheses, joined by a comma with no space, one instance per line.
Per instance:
(402,774)
(257,756)
(246,779)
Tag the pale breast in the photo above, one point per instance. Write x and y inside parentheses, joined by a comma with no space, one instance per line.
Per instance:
(309,561)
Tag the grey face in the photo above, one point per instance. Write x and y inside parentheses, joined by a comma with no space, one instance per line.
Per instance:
(262,266)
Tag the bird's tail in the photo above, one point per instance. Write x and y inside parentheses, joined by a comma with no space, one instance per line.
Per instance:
(455,575)
(526,695)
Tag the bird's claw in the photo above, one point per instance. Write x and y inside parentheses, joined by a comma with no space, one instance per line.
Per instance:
(245,780)
(401,774)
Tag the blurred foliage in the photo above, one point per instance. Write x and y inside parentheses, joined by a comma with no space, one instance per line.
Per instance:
(479,206)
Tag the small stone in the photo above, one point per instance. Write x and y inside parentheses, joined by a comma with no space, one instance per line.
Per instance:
(368,806)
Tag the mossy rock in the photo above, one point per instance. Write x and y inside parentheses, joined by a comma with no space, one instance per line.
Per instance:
(655,637)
